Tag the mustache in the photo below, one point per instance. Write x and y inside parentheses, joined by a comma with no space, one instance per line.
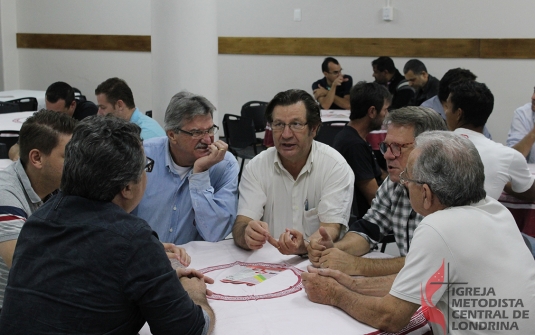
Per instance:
(201,146)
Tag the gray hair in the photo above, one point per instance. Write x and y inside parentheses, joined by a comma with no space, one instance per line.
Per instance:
(103,156)
(183,107)
(450,164)
(421,118)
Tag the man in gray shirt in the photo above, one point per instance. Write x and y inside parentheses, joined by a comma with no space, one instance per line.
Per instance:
(26,183)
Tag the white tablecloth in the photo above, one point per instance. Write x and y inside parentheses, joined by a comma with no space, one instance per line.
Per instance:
(13,121)
(18,94)
(290,314)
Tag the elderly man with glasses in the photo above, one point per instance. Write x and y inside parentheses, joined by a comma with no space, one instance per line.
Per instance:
(296,187)
(192,192)
(390,210)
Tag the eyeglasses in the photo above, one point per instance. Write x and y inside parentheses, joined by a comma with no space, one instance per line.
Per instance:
(403,180)
(294,126)
(198,134)
(335,73)
(149,164)
(395,148)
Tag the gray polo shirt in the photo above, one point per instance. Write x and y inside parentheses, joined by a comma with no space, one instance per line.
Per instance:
(18,201)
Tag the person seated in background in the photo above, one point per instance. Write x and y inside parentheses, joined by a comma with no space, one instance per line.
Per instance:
(26,183)
(369,106)
(83,264)
(465,238)
(468,108)
(332,92)
(386,74)
(390,210)
(59,97)
(438,102)
(424,84)
(296,187)
(116,98)
(192,193)
(522,133)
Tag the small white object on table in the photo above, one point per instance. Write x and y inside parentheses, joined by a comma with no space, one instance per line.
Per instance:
(274,314)
(19,94)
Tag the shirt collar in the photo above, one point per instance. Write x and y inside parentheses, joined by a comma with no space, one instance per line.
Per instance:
(308,164)
(23,177)
(136,115)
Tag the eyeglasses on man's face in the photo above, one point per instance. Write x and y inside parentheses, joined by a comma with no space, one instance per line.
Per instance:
(395,148)
(336,73)
(149,164)
(198,134)
(403,180)
(294,126)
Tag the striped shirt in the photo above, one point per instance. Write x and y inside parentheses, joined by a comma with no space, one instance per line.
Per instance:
(18,200)
(390,211)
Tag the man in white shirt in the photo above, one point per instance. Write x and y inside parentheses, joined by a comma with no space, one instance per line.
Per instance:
(295,187)
(522,133)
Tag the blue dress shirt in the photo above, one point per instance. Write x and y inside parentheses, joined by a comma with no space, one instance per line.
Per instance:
(149,127)
(202,206)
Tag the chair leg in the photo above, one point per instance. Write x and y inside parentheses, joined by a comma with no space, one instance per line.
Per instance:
(241,169)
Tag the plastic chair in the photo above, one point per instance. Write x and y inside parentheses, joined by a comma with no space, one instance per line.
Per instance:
(388,238)
(256,110)
(149,113)
(26,104)
(78,96)
(8,107)
(329,130)
(241,138)
(8,138)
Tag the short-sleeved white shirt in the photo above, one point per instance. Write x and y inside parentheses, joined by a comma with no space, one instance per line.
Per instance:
(502,164)
(322,192)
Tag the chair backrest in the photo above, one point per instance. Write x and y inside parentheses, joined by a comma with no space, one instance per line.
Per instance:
(8,107)
(26,104)
(8,138)
(255,110)
(239,131)
(78,95)
(149,113)
(329,130)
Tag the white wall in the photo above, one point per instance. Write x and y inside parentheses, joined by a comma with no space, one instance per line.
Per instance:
(38,68)
(242,78)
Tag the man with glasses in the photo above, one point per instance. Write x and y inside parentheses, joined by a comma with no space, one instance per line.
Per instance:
(85,265)
(390,210)
(116,98)
(295,187)
(465,249)
(192,192)
(332,92)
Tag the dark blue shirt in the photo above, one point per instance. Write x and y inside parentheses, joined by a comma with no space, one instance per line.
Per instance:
(88,267)
(341,91)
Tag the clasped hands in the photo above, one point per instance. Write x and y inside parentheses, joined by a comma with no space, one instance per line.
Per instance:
(291,242)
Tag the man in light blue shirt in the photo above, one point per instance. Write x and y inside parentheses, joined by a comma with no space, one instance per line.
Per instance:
(116,98)
(192,192)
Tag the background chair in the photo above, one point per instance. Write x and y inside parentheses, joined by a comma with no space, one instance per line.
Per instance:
(328,131)
(389,238)
(78,95)
(256,111)
(7,139)
(149,113)
(26,104)
(241,138)
(8,107)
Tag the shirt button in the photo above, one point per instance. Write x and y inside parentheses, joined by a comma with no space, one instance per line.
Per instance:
(171,230)
(174,208)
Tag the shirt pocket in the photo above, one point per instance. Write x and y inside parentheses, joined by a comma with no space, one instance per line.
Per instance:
(311,222)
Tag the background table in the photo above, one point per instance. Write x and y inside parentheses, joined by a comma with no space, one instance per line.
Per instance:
(290,314)
(19,94)
(13,121)
(523,211)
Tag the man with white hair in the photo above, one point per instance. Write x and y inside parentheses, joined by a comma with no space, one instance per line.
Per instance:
(445,179)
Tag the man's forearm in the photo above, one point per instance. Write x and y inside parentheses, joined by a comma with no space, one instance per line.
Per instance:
(342,102)
(238,233)
(200,299)
(353,244)
(374,267)
(374,286)
(328,100)
(524,146)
